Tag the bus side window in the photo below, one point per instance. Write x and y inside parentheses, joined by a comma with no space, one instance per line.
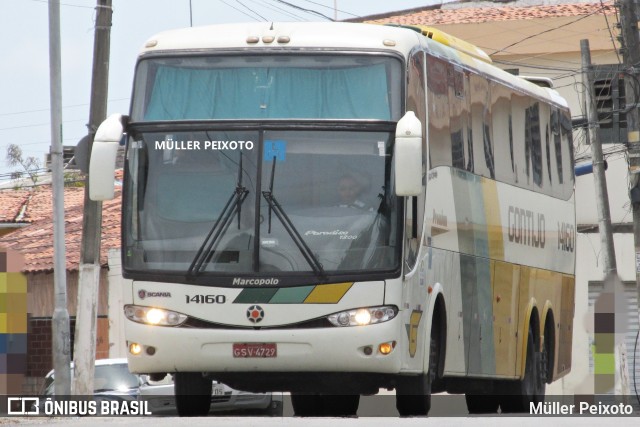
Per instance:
(414,207)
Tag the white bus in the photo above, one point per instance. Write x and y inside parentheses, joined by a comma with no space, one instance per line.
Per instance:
(333,208)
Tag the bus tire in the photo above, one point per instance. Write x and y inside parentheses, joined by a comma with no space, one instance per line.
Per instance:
(193,394)
(413,394)
(531,388)
(325,405)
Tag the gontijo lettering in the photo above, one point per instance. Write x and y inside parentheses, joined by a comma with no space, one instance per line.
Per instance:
(526,227)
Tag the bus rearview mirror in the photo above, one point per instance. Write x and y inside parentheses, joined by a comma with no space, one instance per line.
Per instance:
(102,165)
(408,156)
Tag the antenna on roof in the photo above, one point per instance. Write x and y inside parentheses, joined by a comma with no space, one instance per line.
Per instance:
(271,26)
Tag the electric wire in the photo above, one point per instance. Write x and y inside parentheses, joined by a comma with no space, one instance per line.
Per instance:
(278,9)
(66,4)
(615,49)
(240,10)
(329,7)
(251,10)
(547,31)
(310,11)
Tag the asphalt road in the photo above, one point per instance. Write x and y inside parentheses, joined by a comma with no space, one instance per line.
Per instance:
(323,422)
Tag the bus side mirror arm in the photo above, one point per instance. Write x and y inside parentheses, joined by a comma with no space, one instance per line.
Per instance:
(102,165)
(408,156)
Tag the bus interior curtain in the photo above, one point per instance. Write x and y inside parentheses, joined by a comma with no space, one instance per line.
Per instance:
(269,93)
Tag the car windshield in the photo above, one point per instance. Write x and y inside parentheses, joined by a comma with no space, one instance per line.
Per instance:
(113,377)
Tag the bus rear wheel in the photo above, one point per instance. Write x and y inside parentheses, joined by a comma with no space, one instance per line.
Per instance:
(531,388)
(193,394)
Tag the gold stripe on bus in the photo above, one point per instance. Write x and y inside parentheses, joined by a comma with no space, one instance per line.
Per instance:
(492,217)
(328,294)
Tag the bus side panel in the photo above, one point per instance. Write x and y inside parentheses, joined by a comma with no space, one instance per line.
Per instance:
(564,332)
(443,267)
(505,311)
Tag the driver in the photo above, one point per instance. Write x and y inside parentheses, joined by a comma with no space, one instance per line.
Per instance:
(349,192)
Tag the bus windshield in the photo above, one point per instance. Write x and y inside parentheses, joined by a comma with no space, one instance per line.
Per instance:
(213,202)
(302,86)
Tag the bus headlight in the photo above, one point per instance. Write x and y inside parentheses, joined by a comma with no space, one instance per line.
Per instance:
(363,316)
(153,315)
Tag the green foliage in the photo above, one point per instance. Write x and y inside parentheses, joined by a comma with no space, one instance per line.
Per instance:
(73,179)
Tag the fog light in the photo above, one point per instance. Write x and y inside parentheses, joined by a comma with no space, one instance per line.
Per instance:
(151,350)
(135,348)
(386,347)
(367,350)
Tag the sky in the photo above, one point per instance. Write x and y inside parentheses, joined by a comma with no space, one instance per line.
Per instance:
(24,45)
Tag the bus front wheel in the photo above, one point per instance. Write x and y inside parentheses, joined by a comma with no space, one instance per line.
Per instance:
(413,394)
(193,394)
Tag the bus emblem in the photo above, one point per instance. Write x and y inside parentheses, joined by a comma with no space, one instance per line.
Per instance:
(142,293)
(255,314)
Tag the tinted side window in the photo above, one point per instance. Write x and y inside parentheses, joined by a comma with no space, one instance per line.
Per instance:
(414,207)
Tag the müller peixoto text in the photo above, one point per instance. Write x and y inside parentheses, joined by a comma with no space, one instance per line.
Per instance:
(583,408)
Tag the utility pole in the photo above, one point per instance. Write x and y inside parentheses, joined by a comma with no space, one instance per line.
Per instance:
(60,324)
(89,278)
(612,283)
(602,195)
(631,55)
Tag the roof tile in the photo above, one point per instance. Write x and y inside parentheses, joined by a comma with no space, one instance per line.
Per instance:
(35,241)
(489,13)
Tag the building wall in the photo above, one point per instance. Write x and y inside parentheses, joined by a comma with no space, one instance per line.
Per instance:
(41,296)
(39,358)
(39,303)
(13,323)
(589,268)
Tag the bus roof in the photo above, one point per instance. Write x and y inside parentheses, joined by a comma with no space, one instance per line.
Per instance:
(286,34)
(276,36)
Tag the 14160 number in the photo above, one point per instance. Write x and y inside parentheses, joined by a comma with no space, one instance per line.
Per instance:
(206,299)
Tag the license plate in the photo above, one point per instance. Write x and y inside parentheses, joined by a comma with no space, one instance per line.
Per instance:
(255,350)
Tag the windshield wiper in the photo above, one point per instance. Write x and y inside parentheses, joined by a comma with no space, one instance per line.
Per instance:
(208,246)
(274,206)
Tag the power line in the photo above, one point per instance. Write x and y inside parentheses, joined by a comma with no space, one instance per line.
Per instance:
(241,11)
(278,9)
(547,31)
(329,7)
(40,124)
(615,49)
(311,11)
(250,10)
(67,4)
(47,109)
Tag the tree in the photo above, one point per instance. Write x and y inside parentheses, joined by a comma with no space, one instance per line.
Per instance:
(31,166)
